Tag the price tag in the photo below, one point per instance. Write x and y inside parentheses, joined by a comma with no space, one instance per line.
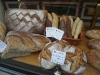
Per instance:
(2,46)
(58,57)
(54,32)
(50,32)
(58,34)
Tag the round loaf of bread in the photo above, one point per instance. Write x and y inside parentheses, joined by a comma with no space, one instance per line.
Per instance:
(75,61)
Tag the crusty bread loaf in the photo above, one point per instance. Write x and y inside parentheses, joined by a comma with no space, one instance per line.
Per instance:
(62,26)
(93,44)
(75,61)
(93,34)
(54,20)
(27,20)
(68,28)
(93,57)
(23,42)
(2,31)
(75,25)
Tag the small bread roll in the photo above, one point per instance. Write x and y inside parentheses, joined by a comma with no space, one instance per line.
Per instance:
(49,17)
(75,25)
(78,29)
(55,20)
(65,18)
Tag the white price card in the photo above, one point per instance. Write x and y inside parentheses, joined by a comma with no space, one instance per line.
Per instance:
(58,57)
(2,46)
(58,34)
(50,32)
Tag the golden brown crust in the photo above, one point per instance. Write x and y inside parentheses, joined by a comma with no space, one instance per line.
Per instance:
(93,57)
(55,20)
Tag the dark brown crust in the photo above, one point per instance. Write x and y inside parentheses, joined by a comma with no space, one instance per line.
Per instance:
(68,28)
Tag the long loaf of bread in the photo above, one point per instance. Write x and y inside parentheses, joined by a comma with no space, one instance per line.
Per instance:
(27,20)
(23,43)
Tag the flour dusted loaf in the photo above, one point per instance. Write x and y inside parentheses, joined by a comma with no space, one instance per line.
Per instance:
(75,61)
(93,44)
(93,34)
(27,20)
(93,57)
(2,31)
(21,43)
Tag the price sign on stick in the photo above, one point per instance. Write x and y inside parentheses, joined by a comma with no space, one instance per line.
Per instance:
(2,46)
(58,57)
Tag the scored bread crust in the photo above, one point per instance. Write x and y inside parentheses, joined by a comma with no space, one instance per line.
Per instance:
(93,34)
(19,41)
(27,20)
(75,61)
(93,57)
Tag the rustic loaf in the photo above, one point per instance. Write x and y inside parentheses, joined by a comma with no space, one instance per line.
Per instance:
(23,43)
(2,31)
(27,20)
(93,57)
(93,34)
(75,61)
(93,44)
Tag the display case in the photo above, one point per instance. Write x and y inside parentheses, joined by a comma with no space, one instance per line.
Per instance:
(29,65)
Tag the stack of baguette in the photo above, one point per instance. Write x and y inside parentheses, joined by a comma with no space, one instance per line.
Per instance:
(75,61)
(71,28)
(21,43)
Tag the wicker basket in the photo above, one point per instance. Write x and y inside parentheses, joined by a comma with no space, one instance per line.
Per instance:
(73,41)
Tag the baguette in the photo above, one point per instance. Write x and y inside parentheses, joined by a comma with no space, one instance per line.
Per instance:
(55,20)
(71,19)
(75,25)
(78,29)
(68,28)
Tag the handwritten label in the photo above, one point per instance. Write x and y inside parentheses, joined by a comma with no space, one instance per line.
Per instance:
(58,57)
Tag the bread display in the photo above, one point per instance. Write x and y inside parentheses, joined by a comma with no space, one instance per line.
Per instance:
(21,43)
(93,57)
(27,20)
(93,44)
(75,61)
(3,30)
(93,34)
